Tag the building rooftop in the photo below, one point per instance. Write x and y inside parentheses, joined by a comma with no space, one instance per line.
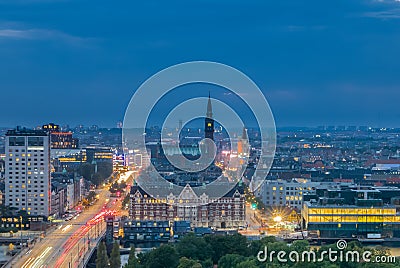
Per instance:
(318,205)
(22,131)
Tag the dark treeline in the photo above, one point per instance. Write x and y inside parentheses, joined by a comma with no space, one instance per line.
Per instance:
(235,251)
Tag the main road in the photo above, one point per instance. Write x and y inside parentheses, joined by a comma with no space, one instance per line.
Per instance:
(70,242)
(49,249)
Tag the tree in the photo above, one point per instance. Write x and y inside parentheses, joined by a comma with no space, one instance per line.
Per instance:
(268,239)
(132,261)
(248,263)
(125,200)
(122,185)
(91,196)
(162,257)
(7,211)
(207,263)
(115,257)
(188,263)
(104,170)
(254,247)
(230,244)
(86,170)
(230,260)
(300,246)
(101,258)
(85,202)
(193,247)
(97,179)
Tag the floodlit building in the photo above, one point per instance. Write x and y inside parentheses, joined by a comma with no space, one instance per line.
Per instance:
(200,210)
(353,212)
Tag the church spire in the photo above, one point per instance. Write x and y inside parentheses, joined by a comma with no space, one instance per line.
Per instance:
(209,107)
(209,121)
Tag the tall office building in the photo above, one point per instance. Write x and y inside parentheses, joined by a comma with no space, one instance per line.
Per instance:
(28,171)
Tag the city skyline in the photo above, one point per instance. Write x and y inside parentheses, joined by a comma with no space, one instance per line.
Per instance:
(199,134)
(315,67)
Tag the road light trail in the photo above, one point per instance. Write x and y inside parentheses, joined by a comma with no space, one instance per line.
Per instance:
(65,240)
(38,260)
(26,264)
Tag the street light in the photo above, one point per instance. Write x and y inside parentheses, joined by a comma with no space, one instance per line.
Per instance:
(277,219)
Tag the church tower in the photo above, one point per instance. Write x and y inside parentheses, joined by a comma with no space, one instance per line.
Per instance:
(209,121)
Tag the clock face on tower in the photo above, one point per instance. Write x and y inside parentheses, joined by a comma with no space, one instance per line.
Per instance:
(209,121)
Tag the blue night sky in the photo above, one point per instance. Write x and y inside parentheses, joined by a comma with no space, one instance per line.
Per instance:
(317,62)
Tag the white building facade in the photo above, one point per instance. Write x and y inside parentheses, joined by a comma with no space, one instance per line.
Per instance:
(27,183)
(279,193)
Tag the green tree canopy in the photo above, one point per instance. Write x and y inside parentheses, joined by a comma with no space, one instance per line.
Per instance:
(230,260)
(132,261)
(115,257)
(194,247)
(101,258)
(188,263)
(162,257)
(230,244)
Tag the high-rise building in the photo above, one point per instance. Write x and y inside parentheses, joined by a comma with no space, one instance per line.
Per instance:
(209,121)
(28,171)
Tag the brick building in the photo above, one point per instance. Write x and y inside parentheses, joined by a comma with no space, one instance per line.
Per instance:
(201,210)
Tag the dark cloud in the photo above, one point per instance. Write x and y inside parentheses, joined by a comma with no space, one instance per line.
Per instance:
(318,62)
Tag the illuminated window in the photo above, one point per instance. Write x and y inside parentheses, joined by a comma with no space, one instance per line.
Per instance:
(209,124)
